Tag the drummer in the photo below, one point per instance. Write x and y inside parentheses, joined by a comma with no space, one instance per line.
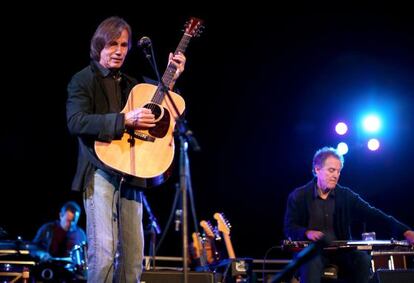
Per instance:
(56,239)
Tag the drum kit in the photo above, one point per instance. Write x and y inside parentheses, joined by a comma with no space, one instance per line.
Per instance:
(19,263)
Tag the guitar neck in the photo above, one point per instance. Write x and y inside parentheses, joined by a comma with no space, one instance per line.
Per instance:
(199,251)
(168,75)
(229,246)
(197,245)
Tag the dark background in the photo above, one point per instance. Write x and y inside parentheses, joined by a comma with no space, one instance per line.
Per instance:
(264,87)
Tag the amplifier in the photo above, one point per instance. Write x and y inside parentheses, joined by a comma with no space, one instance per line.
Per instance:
(393,276)
(163,276)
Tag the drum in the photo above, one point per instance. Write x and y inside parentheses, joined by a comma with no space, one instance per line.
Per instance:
(79,256)
(54,271)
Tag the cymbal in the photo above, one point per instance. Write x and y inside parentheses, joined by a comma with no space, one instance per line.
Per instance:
(17,245)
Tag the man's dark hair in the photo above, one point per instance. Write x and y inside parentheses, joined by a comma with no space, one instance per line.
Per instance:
(107,31)
(322,154)
(70,206)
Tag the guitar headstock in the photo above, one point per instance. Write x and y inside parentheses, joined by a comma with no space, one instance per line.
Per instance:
(222,223)
(208,228)
(194,27)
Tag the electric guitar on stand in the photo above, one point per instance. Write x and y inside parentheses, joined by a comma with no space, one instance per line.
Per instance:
(224,227)
(211,238)
(241,268)
(147,155)
(198,249)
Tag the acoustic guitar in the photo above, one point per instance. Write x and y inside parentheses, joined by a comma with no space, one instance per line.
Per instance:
(147,155)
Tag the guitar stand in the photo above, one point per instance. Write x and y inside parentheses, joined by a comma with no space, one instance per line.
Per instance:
(234,270)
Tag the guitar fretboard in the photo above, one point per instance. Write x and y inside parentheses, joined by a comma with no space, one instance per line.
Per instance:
(170,71)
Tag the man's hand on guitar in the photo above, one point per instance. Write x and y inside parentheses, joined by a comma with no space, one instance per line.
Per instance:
(179,61)
(139,118)
(314,235)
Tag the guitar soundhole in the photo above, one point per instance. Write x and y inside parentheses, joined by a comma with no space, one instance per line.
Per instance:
(162,120)
(156,109)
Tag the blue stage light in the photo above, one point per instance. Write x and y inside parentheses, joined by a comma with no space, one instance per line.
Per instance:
(373,144)
(342,148)
(341,128)
(372,124)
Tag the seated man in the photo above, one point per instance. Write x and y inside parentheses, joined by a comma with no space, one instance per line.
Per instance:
(324,208)
(59,237)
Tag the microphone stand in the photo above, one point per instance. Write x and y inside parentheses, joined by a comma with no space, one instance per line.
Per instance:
(185,136)
(155,229)
(314,249)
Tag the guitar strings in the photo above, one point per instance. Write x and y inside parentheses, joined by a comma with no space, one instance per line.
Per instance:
(159,94)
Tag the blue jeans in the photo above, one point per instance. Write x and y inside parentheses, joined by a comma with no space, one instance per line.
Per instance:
(114,230)
(354,266)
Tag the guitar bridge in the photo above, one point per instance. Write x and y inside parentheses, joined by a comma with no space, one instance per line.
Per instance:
(142,136)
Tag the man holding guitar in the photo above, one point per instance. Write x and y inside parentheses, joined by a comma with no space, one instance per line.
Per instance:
(323,208)
(97,112)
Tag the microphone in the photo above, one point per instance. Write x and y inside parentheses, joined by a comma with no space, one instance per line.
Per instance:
(144,42)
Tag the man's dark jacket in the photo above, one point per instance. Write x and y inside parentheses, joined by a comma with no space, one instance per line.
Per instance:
(348,207)
(87,95)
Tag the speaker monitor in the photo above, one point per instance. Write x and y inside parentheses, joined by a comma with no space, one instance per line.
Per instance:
(393,276)
(176,277)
